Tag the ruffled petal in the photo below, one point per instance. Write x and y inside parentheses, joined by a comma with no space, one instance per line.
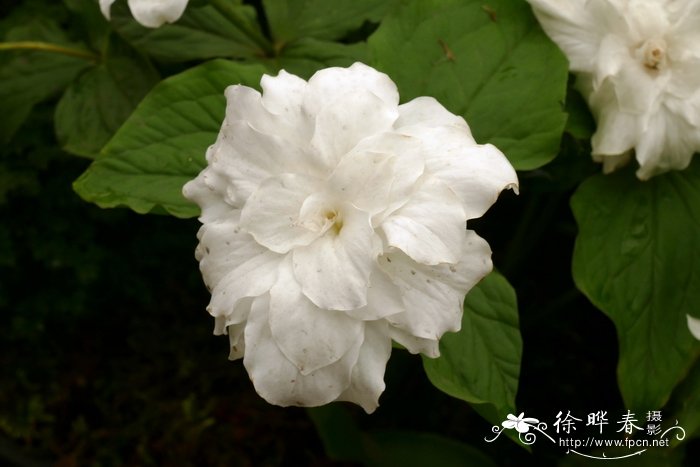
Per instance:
(476,173)
(272,213)
(380,173)
(367,381)
(345,121)
(383,298)
(154,13)
(325,86)
(434,295)
(430,227)
(236,341)
(572,26)
(415,345)
(234,266)
(278,380)
(334,270)
(427,112)
(310,338)
(286,121)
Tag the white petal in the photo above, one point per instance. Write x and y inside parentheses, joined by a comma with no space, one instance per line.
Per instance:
(294,125)
(272,213)
(380,173)
(209,191)
(105,6)
(426,112)
(346,120)
(430,227)
(428,347)
(509,424)
(223,323)
(367,382)
(476,173)
(325,85)
(694,326)
(572,26)
(154,13)
(236,341)
(617,131)
(311,338)
(277,379)
(666,144)
(383,298)
(334,270)
(434,295)
(234,266)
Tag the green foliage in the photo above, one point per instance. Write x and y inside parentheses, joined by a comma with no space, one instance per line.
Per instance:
(636,258)
(27,78)
(96,104)
(162,144)
(203,32)
(295,19)
(490,63)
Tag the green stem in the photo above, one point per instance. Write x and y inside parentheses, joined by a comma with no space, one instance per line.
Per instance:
(48,47)
(227,8)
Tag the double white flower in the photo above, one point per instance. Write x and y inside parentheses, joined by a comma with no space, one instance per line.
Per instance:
(150,13)
(638,64)
(333,222)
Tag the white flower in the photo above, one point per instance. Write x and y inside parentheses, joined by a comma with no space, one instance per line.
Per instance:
(333,221)
(638,64)
(150,13)
(694,326)
(520,423)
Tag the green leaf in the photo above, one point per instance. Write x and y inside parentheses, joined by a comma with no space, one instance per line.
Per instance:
(685,404)
(487,61)
(410,449)
(162,144)
(201,33)
(637,258)
(481,363)
(321,19)
(28,77)
(94,107)
(306,56)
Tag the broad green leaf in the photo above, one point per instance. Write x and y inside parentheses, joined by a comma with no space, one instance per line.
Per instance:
(410,449)
(201,33)
(306,56)
(487,61)
(637,258)
(685,404)
(28,77)
(162,144)
(481,363)
(94,106)
(321,19)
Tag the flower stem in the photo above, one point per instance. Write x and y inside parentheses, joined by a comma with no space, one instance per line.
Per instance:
(48,47)
(227,8)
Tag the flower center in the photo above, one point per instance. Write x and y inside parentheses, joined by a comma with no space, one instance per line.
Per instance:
(335,220)
(653,54)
